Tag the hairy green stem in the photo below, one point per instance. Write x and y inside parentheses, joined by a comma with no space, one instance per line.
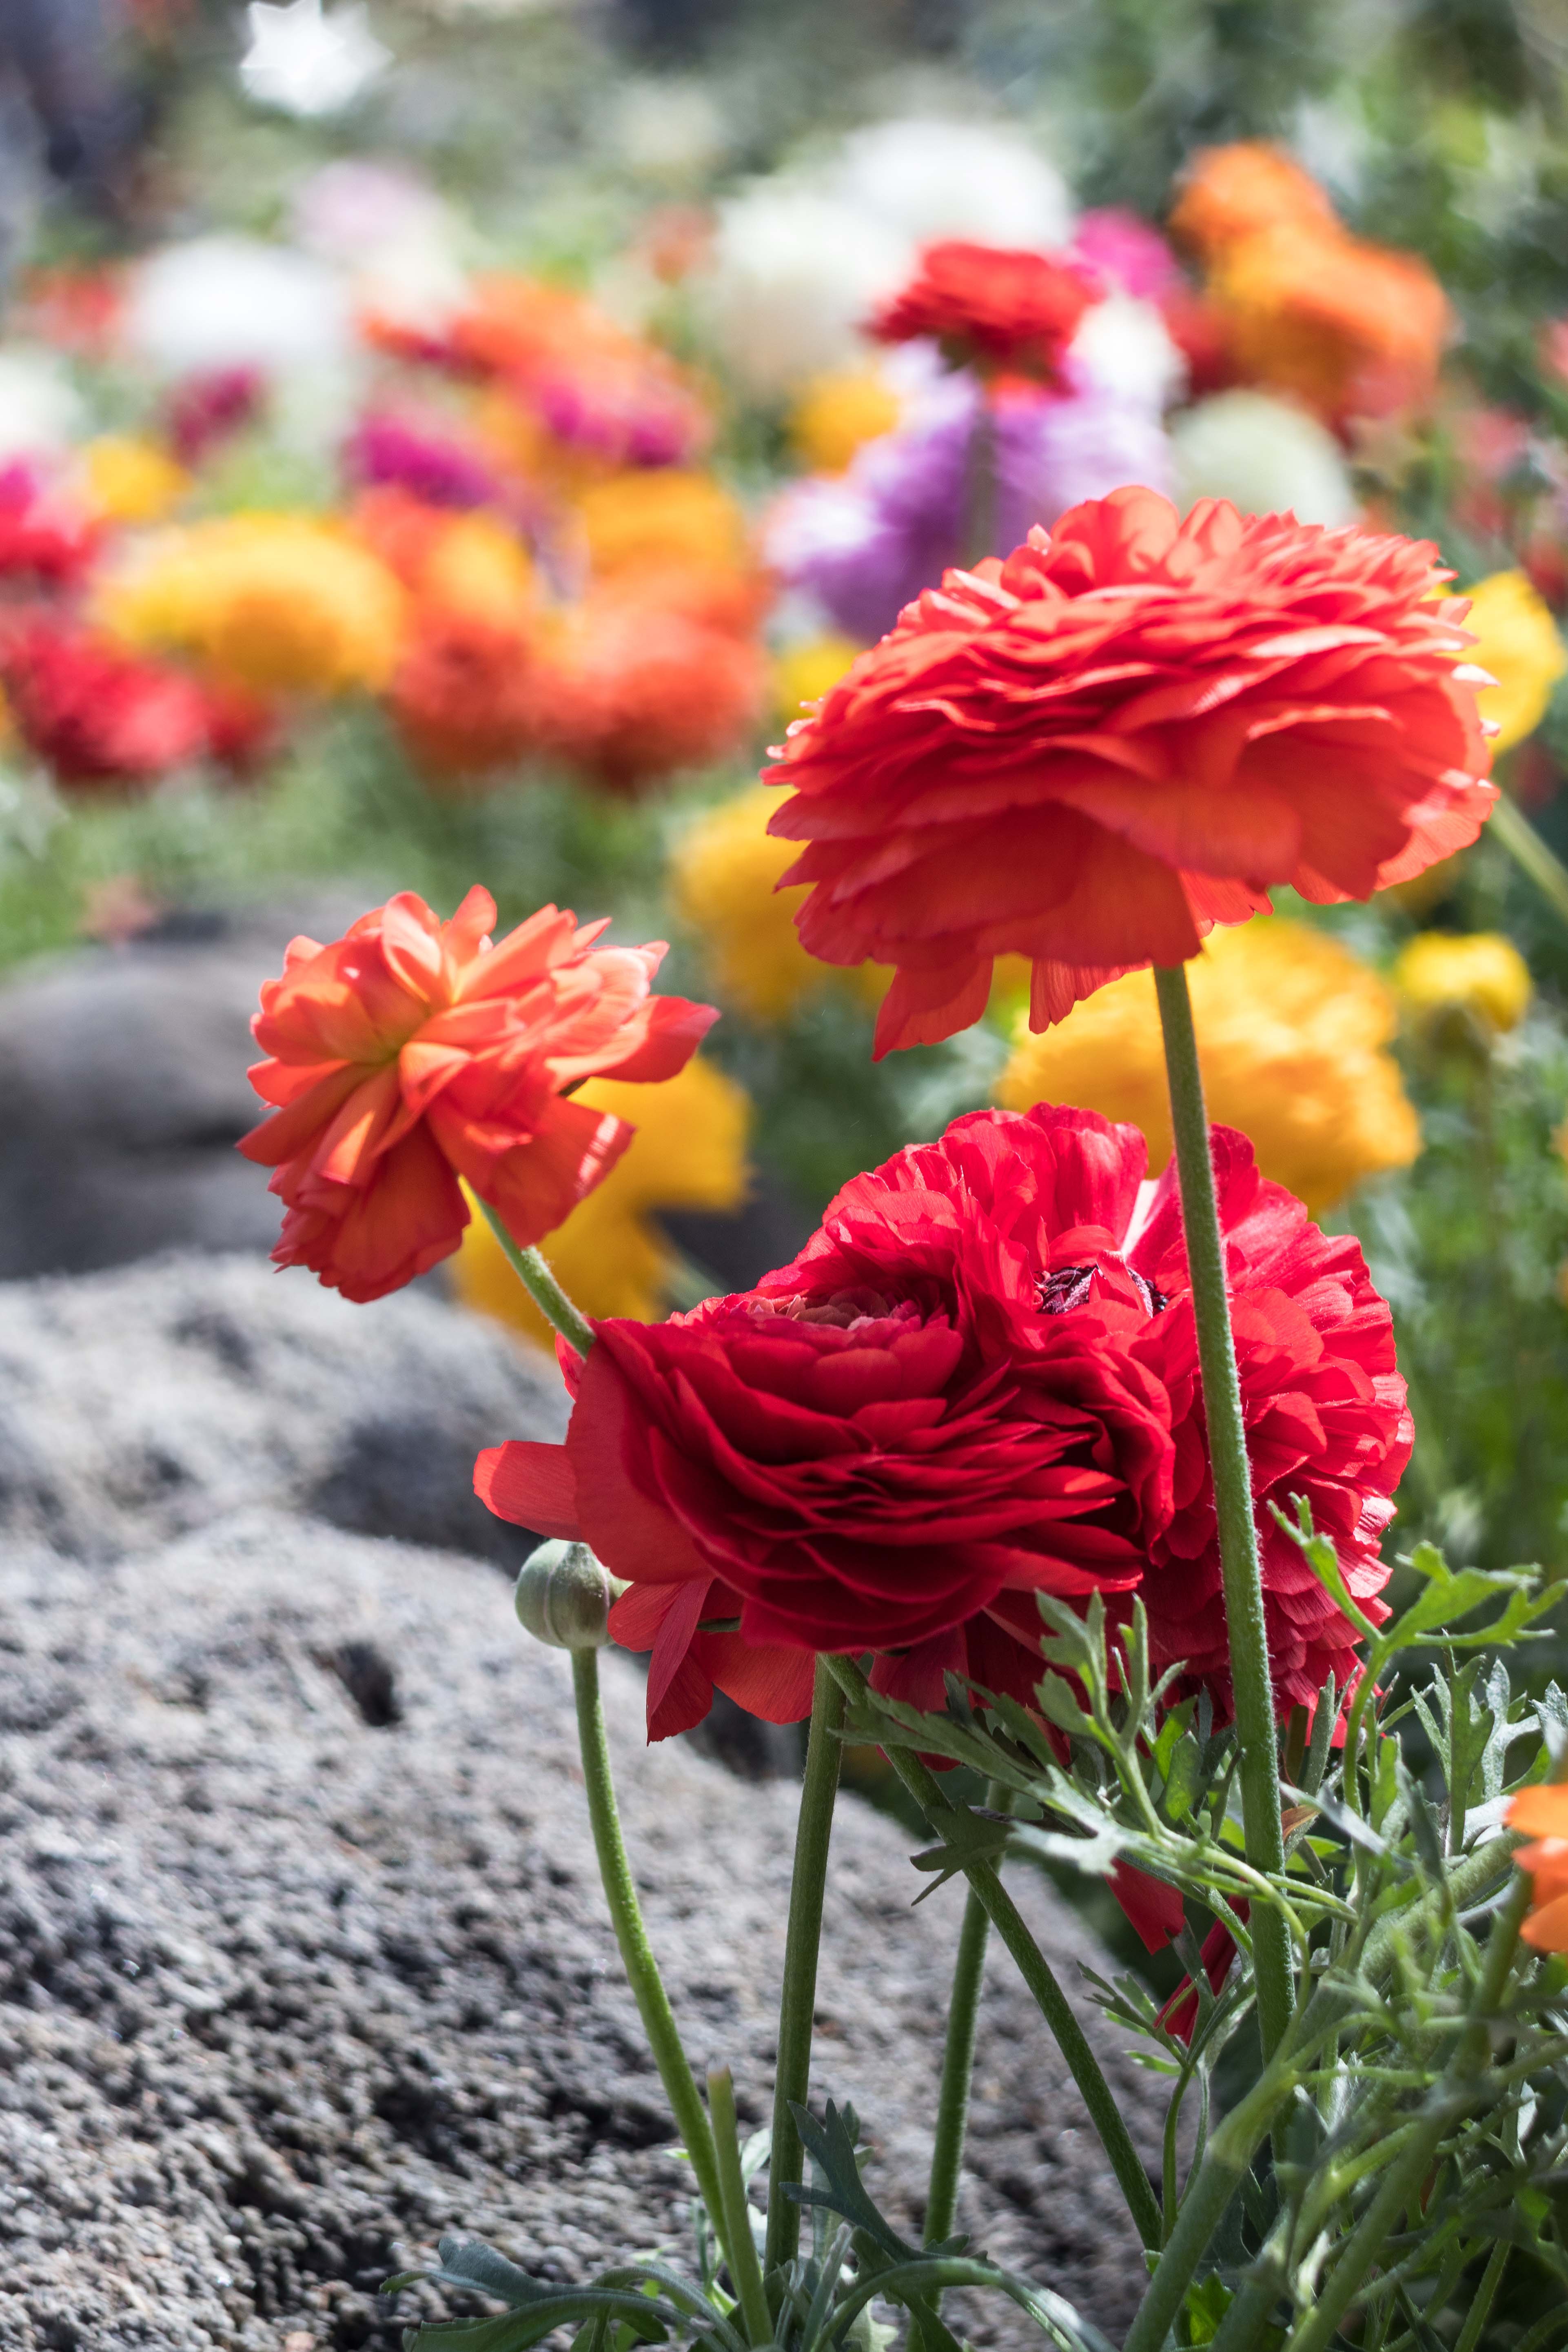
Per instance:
(958,2056)
(1033,1966)
(637,1953)
(797,1998)
(1508,824)
(746,2271)
(1239,1566)
(542,1287)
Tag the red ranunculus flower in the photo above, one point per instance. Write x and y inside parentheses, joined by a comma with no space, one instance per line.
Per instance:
(411,1053)
(96,714)
(963,1392)
(1127,732)
(992,306)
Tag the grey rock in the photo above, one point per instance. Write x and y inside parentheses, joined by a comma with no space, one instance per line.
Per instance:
(303,1960)
(123,1072)
(142,1401)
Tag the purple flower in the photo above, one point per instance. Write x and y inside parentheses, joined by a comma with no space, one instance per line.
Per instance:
(435,467)
(866,542)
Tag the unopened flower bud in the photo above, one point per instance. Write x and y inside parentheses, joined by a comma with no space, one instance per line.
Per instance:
(563,1596)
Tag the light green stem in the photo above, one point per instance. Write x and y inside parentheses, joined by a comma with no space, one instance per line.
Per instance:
(1239,1567)
(637,1953)
(1470,2335)
(746,2271)
(1033,1966)
(797,1998)
(542,1287)
(1508,824)
(958,2057)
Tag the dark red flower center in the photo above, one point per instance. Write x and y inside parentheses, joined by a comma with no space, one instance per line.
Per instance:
(1067,1286)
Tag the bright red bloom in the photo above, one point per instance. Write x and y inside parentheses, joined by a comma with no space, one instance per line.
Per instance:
(992,306)
(46,539)
(96,714)
(1127,732)
(966,1389)
(411,1053)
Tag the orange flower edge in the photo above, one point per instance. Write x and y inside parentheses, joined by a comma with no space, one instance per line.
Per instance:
(1127,732)
(412,1053)
(1544,1811)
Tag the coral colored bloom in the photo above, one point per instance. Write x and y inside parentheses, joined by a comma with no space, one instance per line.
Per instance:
(1293,1034)
(412,1053)
(991,306)
(96,714)
(465,698)
(635,690)
(586,381)
(610,1258)
(1544,1814)
(1093,753)
(1351,329)
(1231,192)
(1479,972)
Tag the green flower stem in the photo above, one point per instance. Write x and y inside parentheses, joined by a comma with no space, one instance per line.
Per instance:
(797,1998)
(980,481)
(746,2271)
(1508,824)
(1239,1567)
(542,1287)
(958,2056)
(637,1953)
(1033,1966)
(1403,2182)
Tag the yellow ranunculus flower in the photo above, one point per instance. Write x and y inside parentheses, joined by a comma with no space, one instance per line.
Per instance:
(661,514)
(688,1152)
(722,871)
(130,479)
(478,567)
(1518,641)
(279,602)
(837,414)
(1480,973)
(804,672)
(1292,1031)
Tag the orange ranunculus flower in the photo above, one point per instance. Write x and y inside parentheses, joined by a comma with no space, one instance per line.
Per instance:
(1348,327)
(465,698)
(633,691)
(1230,192)
(1124,734)
(991,305)
(1544,1811)
(412,1052)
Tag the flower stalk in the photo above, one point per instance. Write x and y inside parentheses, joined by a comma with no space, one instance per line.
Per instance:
(1240,1567)
(532,1271)
(958,2056)
(803,1938)
(636,1952)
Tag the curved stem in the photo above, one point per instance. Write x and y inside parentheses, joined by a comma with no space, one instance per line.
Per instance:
(1035,1971)
(957,2055)
(746,2271)
(637,1953)
(1239,1567)
(1532,856)
(797,1998)
(542,1287)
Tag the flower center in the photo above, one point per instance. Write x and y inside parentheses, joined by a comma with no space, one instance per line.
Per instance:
(1067,1286)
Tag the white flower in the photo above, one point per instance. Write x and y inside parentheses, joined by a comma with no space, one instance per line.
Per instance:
(1124,349)
(666,128)
(1265,455)
(231,301)
(935,179)
(306,63)
(794,276)
(40,409)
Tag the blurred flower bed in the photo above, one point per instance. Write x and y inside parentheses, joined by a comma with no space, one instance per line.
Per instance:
(420,501)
